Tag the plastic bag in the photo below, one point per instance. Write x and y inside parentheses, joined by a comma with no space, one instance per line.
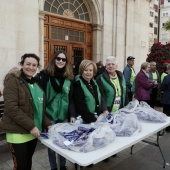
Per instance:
(101,136)
(143,111)
(125,124)
(122,124)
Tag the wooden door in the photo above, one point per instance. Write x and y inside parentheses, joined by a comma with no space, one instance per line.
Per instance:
(74,37)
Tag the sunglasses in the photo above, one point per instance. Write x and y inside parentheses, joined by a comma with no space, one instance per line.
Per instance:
(59,59)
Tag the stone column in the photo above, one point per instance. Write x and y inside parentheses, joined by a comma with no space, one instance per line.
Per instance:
(41,37)
(97,44)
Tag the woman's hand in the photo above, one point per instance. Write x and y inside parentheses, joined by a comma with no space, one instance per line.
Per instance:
(72,119)
(35,132)
(106,113)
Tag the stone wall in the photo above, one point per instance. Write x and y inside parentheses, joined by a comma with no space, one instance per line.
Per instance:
(18,32)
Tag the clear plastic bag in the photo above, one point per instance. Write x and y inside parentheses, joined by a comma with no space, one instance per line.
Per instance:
(122,124)
(101,136)
(143,111)
(125,124)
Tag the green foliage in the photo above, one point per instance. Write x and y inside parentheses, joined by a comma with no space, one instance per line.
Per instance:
(167,25)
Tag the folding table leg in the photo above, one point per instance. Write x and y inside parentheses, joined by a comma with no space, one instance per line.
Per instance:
(58,161)
(131,149)
(160,133)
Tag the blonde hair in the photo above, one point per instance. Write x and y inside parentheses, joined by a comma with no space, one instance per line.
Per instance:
(86,63)
(144,65)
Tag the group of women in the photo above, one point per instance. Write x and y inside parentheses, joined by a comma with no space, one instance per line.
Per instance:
(33,104)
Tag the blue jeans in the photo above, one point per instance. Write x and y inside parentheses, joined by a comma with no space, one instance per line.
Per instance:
(52,154)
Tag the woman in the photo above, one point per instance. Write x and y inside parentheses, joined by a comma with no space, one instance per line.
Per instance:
(24,112)
(113,86)
(165,87)
(86,93)
(55,80)
(142,84)
(100,68)
(164,72)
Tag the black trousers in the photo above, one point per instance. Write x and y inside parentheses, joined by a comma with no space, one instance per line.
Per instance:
(166,110)
(153,97)
(22,154)
(130,95)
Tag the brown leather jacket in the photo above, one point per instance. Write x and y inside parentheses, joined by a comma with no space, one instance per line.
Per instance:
(19,110)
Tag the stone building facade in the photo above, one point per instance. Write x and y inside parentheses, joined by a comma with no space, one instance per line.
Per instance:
(91,29)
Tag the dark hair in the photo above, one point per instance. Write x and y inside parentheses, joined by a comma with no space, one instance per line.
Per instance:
(165,67)
(50,68)
(28,55)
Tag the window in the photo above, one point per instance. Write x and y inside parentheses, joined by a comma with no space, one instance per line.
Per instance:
(156,7)
(65,34)
(163,24)
(156,19)
(72,8)
(155,30)
(151,14)
(151,24)
(155,40)
(164,14)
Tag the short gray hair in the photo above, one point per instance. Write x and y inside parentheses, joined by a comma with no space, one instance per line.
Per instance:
(110,58)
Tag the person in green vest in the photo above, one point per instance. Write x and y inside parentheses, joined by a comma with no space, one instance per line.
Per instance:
(56,80)
(86,93)
(164,73)
(154,77)
(112,86)
(129,74)
(24,114)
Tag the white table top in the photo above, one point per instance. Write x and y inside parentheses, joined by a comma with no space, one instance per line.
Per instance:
(119,144)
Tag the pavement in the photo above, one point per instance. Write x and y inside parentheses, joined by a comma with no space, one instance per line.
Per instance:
(144,157)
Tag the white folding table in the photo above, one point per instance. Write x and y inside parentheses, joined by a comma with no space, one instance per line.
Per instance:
(119,144)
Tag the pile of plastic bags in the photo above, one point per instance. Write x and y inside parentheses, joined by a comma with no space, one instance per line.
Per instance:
(89,137)
(143,111)
(81,138)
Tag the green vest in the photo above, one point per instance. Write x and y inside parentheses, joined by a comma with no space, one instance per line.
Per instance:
(90,100)
(37,96)
(110,92)
(162,76)
(57,103)
(154,75)
(132,77)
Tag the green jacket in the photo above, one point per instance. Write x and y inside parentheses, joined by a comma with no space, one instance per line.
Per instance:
(57,103)
(89,99)
(108,90)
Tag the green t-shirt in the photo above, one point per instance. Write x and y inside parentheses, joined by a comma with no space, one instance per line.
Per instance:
(116,104)
(18,138)
(155,77)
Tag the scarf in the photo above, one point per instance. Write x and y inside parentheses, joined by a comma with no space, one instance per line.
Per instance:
(59,75)
(31,81)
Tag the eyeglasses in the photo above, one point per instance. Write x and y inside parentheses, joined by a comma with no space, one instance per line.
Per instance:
(59,59)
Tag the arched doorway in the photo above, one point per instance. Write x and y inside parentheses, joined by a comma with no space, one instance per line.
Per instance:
(67,27)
